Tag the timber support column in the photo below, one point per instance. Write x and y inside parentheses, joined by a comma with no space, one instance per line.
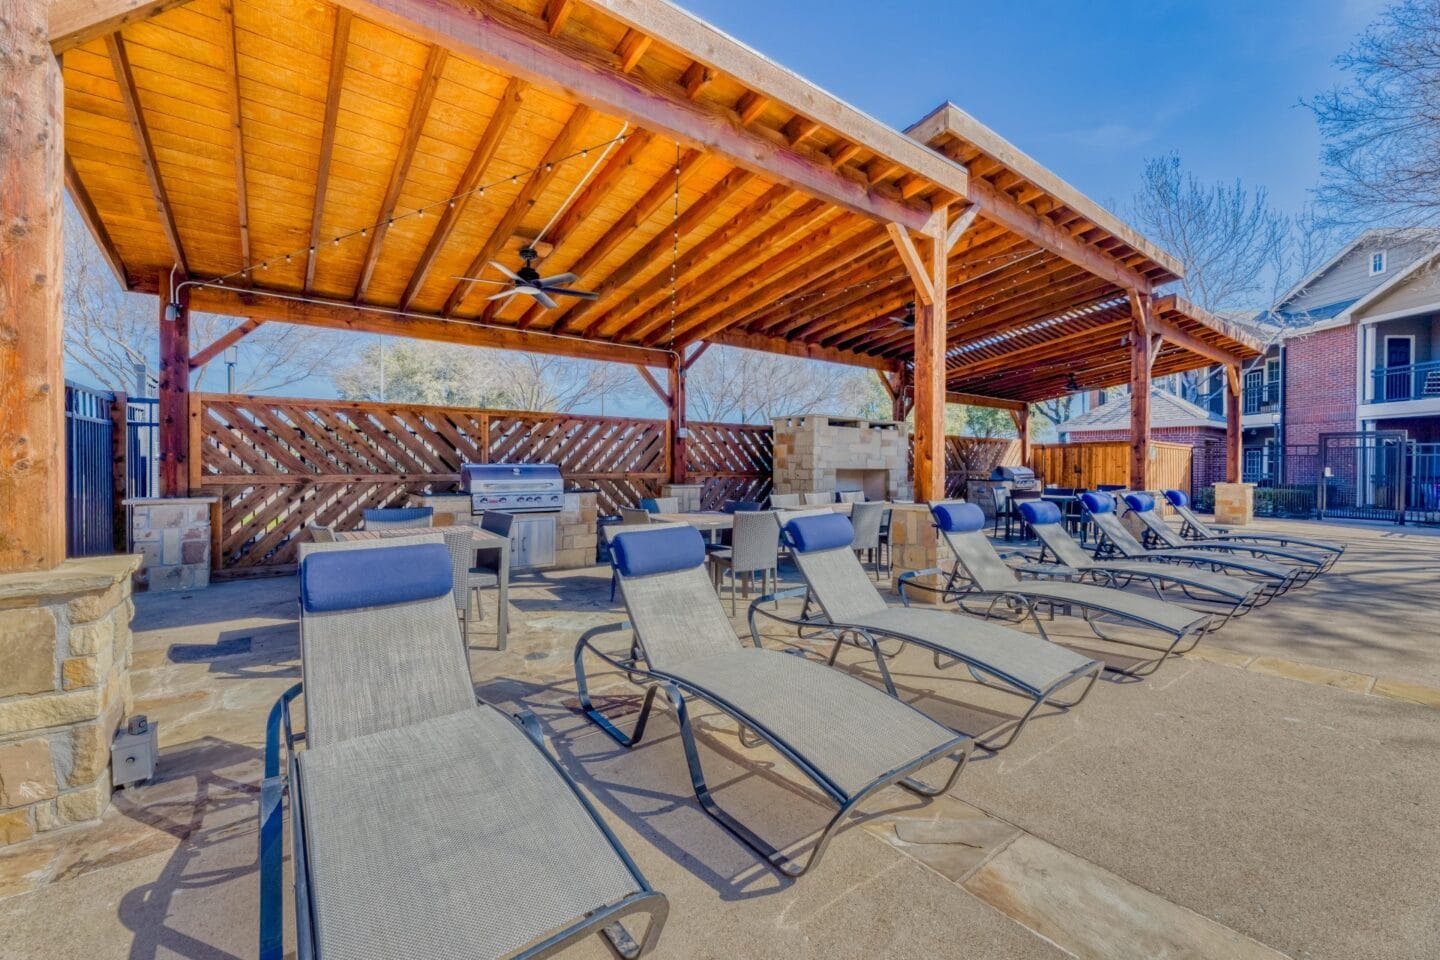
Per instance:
(1141,357)
(927,271)
(174,390)
(32,381)
(1233,424)
(676,417)
(1022,428)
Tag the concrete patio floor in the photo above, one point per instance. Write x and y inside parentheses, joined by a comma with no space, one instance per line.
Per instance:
(1275,793)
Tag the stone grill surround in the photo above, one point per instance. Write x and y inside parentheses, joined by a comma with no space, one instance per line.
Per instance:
(64,690)
(173,536)
(811,449)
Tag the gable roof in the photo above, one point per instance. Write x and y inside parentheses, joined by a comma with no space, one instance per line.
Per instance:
(1400,278)
(1166,410)
(1373,235)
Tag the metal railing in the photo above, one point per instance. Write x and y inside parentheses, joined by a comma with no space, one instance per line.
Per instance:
(1415,381)
(89,472)
(1264,398)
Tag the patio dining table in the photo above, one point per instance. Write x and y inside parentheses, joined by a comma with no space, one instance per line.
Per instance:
(483,539)
(713,521)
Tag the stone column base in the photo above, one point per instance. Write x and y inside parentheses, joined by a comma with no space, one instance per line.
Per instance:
(915,544)
(1234,503)
(64,690)
(173,536)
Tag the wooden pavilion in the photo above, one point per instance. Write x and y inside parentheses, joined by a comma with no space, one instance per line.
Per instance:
(343,163)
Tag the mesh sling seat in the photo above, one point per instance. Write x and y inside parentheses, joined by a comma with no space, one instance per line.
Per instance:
(1235,596)
(980,572)
(1111,533)
(850,607)
(1193,528)
(424,823)
(845,736)
(1159,534)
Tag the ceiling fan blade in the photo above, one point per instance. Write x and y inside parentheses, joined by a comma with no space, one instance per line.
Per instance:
(504,269)
(545,300)
(498,283)
(567,292)
(503,294)
(558,278)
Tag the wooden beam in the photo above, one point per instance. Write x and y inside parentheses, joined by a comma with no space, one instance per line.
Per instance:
(920,271)
(342,315)
(962,223)
(931,327)
(696,78)
(173,406)
(520,206)
(677,421)
(695,354)
(120,63)
(649,378)
(499,38)
(556,13)
(631,48)
(1140,374)
(32,379)
(495,129)
(338,46)
(91,217)
(980,400)
(419,113)
(237,133)
(76,22)
(750,107)
(1234,425)
(223,342)
(1168,330)
(1021,419)
(750,341)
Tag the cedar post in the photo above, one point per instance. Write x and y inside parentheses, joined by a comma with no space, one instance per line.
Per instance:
(928,272)
(174,390)
(1140,357)
(1233,424)
(32,382)
(1022,427)
(676,417)
(900,399)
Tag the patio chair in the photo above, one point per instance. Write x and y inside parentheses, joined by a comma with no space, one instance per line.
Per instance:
(851,607)
(483,565)
(755,549)
(393,517)
(741,506)
(1113,539)
(1196,529)
(660,504)
(319,533)
(411,802)
(850,496)
(817,498)
(1159,535)
(780,500)
(846,737)
(1235,595)
(980,572)
(866,520)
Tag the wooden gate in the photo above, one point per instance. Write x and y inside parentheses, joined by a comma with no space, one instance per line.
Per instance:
(1088,465)
(278,464)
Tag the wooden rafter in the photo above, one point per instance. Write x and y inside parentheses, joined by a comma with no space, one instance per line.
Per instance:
(338,47)
(419,113)
(76,22)
(237,131)
(484,152)
(631,48)
(920,275)
(557,12)
(520,206)
(120,63)
(86,206)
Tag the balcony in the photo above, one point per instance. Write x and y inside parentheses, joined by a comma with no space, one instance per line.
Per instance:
(1262,398)
(1415,381)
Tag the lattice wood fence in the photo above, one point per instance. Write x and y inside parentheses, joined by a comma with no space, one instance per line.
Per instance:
(967,457)
(278,464)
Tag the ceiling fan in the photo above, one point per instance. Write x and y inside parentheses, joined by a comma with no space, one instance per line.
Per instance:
(906,316)
(529,282)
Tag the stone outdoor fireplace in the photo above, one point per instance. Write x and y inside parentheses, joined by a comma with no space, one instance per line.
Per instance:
(818,452)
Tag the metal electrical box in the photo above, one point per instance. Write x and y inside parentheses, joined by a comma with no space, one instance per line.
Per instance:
(134,752)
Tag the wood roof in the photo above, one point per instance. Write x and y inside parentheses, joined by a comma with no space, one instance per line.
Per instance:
(246,135)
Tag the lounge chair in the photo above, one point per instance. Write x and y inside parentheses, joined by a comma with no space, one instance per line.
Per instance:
(1235,595)
(980,572)
(851,607)
(844,735)
(1194,528)
(1158,535)
(1114,538)
(424,824)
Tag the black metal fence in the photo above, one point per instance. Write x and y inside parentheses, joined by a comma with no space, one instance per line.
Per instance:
(89,472)
(1286,485)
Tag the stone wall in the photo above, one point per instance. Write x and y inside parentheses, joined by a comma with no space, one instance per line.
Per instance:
(575,524)
(172,536)
(811,450)
(64,691)
(915,544)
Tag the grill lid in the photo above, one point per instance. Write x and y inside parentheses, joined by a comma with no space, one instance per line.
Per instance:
(1012,473)
(512,476)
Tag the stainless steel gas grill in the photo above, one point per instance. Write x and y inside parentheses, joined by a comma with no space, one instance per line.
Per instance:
(513,487)
(1016,478)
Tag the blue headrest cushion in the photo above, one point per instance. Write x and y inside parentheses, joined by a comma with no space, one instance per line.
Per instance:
(665,548)
(1178,497)
(1140,502)
(347,579)
(649,505)
(822,531)
(1107,487)
(1039,512)
(1098,502)
(958,517)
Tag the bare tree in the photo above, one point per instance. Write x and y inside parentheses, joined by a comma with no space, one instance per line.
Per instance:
(113,336)
(449,375)
(1382,130)
(731,384)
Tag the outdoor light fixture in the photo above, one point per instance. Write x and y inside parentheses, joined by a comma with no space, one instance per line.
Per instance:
(232,357)
(172,311)
(1071,383)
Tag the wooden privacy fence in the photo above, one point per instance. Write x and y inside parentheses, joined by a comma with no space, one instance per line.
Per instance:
(967,457)
(278,464)
(1091,464)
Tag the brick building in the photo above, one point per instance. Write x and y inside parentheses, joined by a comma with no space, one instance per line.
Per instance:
(1172,419)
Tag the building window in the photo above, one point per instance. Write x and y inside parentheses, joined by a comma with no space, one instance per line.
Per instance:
(1377,262)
